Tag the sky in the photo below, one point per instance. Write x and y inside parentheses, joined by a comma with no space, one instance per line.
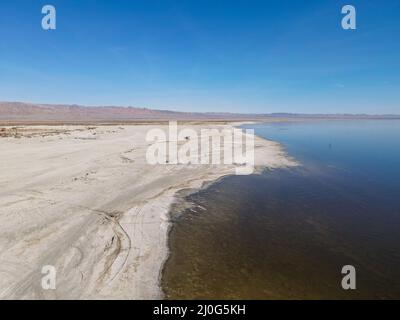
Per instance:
(204,55)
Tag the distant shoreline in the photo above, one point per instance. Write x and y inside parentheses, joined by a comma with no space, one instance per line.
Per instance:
(11,123)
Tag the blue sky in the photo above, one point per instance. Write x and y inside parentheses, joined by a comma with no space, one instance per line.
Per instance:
(204,55)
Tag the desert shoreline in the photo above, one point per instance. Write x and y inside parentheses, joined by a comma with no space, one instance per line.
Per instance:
(84,200)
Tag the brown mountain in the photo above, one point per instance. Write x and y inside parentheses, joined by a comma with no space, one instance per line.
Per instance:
(29,112)
(43,112)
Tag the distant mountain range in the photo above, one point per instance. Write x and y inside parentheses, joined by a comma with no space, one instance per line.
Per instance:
(30,112)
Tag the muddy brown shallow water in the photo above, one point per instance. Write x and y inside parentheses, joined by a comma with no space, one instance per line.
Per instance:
(286,234)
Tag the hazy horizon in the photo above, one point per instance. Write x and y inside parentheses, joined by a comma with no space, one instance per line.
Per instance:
(189,111)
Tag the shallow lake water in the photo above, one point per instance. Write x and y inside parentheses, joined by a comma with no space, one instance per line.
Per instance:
(287,233)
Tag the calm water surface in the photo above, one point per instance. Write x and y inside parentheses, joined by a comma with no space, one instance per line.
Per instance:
(287,233)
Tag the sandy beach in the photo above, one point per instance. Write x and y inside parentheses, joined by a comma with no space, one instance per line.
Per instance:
(84,200)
